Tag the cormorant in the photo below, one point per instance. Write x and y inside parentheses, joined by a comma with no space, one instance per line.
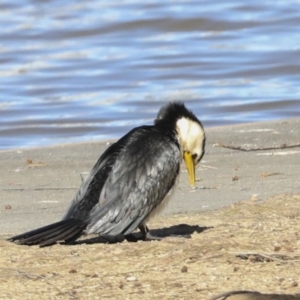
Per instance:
(131,181)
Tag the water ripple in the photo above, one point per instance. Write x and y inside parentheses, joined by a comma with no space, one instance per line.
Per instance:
(73,71)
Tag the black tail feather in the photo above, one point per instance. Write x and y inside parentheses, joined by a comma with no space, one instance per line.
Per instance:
(66,230)
(43,233)
(65,235)
(53,235)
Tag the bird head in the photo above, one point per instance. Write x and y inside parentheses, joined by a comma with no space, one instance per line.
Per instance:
(190,134)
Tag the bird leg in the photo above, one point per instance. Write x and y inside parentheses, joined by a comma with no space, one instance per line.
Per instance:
(147,236)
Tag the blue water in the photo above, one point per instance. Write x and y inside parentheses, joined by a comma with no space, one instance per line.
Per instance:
(91,70)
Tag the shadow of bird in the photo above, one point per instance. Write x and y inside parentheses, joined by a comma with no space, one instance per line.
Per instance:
(181,230)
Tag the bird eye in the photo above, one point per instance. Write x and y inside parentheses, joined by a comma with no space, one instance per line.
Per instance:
(194,156)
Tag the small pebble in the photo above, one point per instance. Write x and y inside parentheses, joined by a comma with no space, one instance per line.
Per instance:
(131,278)
(277,248)
(184,269)
(294,284)
(235,269)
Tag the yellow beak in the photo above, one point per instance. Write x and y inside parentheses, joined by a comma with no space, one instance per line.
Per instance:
(190,167)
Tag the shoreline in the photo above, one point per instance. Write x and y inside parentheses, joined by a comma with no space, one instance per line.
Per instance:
(105,141)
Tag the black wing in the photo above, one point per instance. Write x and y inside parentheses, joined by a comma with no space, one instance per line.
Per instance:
(89,192)
(142,175)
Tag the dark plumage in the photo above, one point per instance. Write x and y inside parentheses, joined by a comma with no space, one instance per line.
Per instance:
(130,180)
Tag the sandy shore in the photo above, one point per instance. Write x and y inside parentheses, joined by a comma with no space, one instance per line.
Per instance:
(244,217)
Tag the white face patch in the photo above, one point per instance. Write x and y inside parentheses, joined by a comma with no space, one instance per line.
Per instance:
(191,136)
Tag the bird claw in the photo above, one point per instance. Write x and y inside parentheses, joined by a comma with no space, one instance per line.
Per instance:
(150,237)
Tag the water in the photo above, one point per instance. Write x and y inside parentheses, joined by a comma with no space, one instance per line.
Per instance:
(86,70)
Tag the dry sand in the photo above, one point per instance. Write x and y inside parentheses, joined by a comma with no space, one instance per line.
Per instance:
(251,245)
